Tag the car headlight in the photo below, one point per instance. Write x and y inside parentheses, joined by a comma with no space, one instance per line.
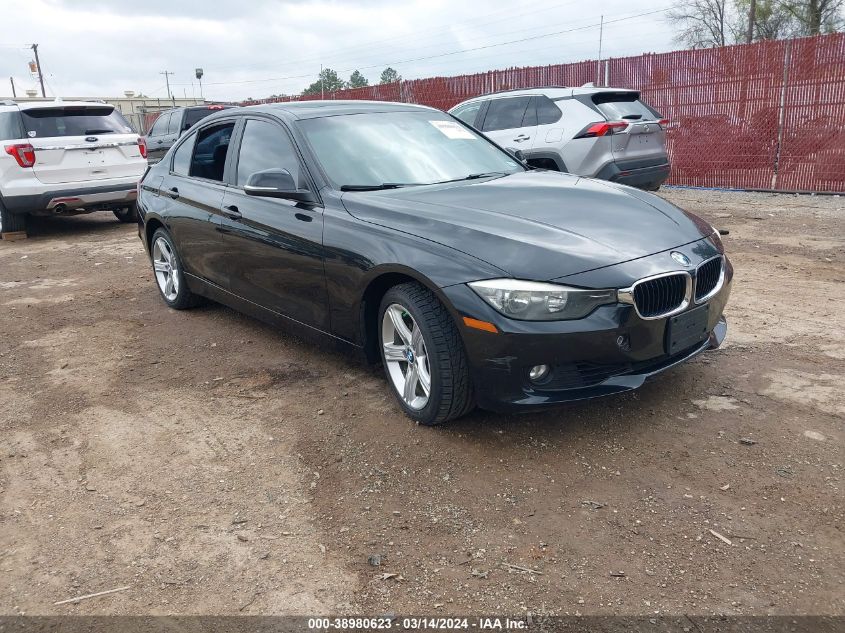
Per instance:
(717,239)
(537,301)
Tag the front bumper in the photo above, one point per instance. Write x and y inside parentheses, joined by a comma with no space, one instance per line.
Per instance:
(610,351)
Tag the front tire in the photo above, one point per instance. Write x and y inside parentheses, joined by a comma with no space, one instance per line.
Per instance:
(423,355)
(167,270)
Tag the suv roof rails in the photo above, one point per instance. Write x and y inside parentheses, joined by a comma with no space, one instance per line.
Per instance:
(8,102)
(500,92)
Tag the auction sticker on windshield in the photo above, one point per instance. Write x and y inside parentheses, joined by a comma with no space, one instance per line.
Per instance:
(452,129)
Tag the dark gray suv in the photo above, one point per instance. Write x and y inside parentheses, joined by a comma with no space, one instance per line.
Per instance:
(171,124)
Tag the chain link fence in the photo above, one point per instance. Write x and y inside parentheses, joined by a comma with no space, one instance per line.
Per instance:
(768,115)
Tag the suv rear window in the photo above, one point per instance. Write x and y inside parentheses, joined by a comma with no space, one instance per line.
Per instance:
(73,121)
(624,105)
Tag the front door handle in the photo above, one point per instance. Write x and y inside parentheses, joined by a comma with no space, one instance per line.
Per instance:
(173,193)
(159,142)
(521,138)
(232,212)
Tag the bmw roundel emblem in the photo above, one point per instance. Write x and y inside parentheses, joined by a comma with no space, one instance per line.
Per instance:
(682,259)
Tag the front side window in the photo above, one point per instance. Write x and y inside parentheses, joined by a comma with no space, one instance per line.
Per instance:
(264,146)
(212,147)
(505,114)
(73,121)
(404,148)
(182,157)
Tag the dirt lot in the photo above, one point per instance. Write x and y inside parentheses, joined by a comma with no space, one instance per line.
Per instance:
(214,465)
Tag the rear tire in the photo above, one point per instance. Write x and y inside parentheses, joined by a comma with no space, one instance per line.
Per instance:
(12,222)
(127,215)
(167,272)
(429,346)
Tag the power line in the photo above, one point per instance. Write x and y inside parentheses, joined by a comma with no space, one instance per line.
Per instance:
(449,53)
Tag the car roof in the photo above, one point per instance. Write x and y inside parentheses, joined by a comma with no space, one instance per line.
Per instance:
(35,105)
(316,109)
(552,92)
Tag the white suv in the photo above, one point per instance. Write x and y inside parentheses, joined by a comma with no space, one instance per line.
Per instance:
(66,158)
(606,133)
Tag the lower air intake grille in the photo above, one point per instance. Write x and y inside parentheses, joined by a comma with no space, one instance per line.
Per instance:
(661,295)
(707,277)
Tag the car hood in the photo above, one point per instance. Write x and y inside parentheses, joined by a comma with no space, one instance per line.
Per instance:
(534,225)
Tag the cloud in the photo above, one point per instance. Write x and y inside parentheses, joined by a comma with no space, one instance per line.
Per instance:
(262,47)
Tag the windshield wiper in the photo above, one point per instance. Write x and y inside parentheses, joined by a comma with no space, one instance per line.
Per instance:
(97,131)
(384,185)
(488,174)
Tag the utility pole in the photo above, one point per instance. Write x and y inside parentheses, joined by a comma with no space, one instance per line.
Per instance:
(12,81)
(598,63)
(322,92)
(40,73)
(752,17)
(167,74)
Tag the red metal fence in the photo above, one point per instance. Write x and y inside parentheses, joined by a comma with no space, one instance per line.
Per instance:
(768,115)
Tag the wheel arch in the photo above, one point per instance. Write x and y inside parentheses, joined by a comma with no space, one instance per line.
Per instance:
(151,225)
(379,281)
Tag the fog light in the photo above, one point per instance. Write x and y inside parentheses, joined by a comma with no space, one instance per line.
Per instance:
(538,372)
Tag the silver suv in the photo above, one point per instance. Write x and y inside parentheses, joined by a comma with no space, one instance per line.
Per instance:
(606,133)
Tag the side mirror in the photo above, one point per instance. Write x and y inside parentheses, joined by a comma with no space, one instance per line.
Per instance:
(276,183)
(516,153)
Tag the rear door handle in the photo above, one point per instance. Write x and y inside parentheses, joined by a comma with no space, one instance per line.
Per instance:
(173,193)
(521,138)
(159,142)
(232,212)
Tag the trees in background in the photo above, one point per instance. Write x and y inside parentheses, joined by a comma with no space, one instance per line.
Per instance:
(705,23)
(357,80)
(389,76)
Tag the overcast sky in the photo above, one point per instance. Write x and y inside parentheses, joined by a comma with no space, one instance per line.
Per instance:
(254,48)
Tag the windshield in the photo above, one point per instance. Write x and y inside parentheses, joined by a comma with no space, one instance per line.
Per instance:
(73,121)
(401,148)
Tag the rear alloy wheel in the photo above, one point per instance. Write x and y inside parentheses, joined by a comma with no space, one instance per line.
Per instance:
(127,214)
(167,268)
(423,355)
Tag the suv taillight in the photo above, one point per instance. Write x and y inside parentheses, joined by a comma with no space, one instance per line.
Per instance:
(142,146)
(24,153)
(602,128)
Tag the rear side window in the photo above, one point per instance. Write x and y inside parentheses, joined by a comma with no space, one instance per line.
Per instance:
(10,126)
(212,147)
(73,121)
(160,126)
(547,111)
(505,114)
(266,146)
(173,126)
(182,157)
(624,105)
(468,113)
(196,115)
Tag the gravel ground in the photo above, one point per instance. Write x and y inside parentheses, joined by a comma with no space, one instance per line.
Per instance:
(216,466)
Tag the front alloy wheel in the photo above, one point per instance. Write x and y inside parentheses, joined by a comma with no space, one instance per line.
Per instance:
(423,355)
(405,356)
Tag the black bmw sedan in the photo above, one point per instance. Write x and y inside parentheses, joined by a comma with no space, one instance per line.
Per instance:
(398,231)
